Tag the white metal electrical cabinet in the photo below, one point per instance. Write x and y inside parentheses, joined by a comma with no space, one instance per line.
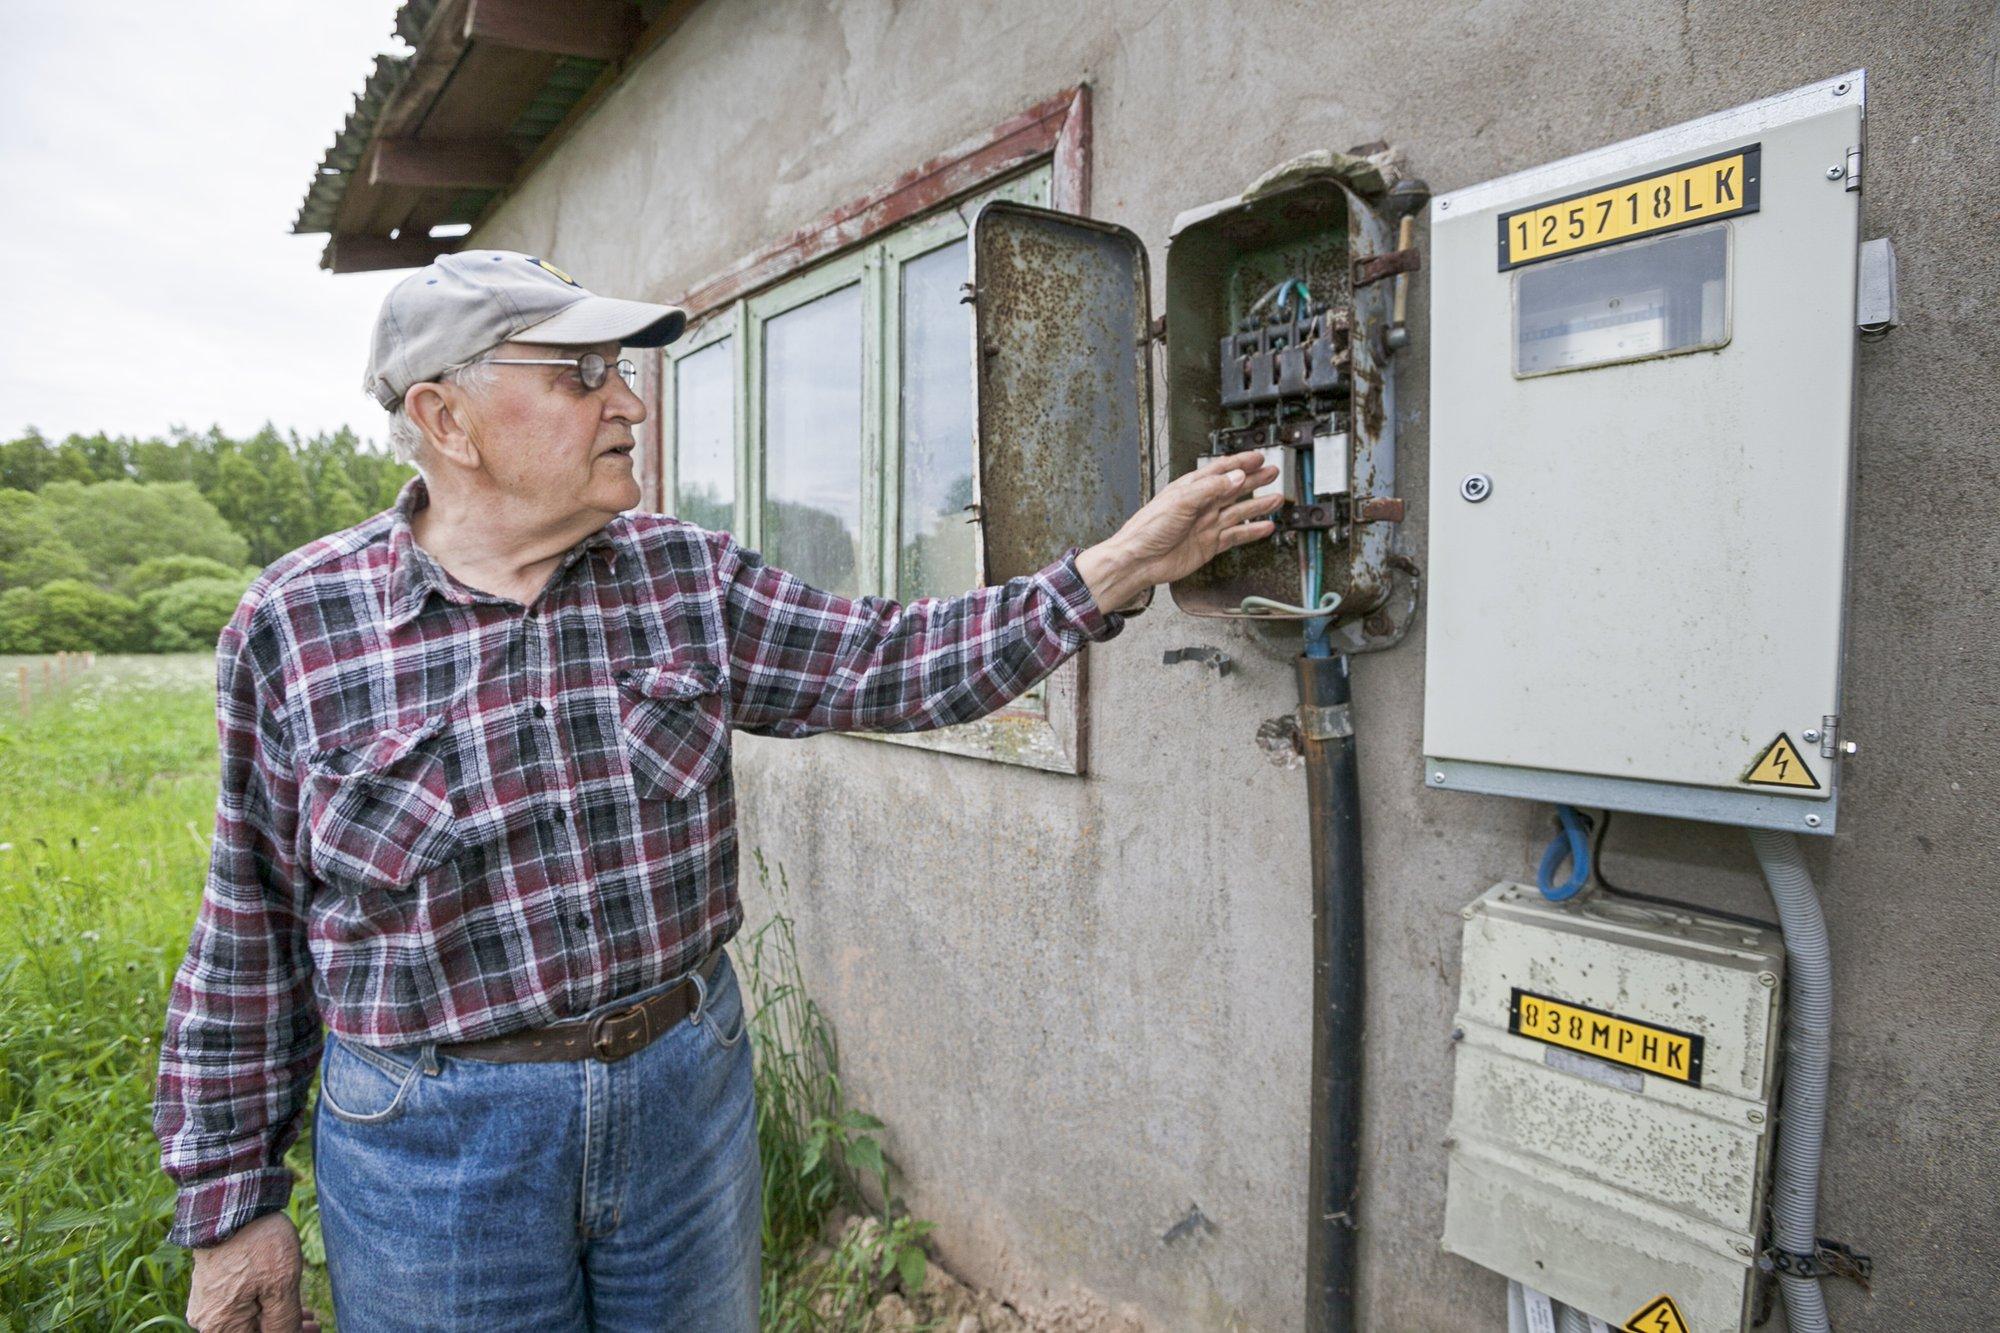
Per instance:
(1613,1102)
(1642,394)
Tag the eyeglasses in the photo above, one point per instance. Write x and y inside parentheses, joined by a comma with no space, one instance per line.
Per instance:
(590,367)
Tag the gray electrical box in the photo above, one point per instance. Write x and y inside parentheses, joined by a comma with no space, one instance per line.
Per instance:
(1613,1102)
(1641,446)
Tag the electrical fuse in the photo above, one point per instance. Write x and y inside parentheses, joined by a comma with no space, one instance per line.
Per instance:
(1286,483)
(1330,455)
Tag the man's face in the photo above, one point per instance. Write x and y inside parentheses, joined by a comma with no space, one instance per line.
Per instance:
(549,442)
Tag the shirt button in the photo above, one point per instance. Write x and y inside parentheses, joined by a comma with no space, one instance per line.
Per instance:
(558,814)
(541,709)
(583,923)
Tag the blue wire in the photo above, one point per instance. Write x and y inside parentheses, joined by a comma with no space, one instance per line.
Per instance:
(1572,844)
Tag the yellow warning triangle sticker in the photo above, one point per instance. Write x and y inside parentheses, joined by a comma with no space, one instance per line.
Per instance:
(1659,1315)
(1781,765)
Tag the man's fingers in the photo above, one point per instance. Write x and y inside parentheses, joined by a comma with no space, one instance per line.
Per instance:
(278,1308)
(1244,510)
(1221,487)
(1244,533)
(239,1318)
(1250,460)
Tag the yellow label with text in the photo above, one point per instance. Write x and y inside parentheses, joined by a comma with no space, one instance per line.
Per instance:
(1646,1047)
(1682,196)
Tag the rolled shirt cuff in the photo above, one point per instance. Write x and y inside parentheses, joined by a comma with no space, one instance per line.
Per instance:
(210,1211)
(1073,601)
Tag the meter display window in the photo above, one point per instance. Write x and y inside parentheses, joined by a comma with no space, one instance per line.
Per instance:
(1645,299)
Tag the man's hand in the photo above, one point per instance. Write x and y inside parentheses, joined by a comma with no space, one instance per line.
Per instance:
(1196,518)
(249,1282)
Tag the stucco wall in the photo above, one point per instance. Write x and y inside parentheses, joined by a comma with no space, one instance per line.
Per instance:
(1082,1003)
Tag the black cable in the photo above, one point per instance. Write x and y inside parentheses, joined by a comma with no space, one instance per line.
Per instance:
(1597,873)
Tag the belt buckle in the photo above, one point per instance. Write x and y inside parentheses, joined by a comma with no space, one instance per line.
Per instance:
(614,1036)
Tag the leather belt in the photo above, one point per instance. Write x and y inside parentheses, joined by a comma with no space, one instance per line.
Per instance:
(609,1037)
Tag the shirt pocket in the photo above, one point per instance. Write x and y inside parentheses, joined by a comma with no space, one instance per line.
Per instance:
(378,812)
(675,725)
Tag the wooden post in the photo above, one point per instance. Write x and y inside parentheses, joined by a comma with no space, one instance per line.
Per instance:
(24,690)
(48,672)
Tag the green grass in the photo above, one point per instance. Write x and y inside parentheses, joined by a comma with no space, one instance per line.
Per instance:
(107,798)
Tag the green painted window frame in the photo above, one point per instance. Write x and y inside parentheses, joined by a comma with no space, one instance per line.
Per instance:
(1044,730)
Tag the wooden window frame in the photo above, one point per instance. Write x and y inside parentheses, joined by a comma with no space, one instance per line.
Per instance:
(735,304)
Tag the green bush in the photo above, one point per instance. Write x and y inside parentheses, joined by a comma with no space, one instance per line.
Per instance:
(164,571)
(188,616)
(115,525)
(32,548)
(69,614)
(20,621)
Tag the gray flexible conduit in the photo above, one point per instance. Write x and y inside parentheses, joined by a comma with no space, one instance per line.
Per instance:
(1569,1320)
(1808,1051)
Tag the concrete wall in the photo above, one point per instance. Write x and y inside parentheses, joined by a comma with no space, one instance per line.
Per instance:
(1082,1004)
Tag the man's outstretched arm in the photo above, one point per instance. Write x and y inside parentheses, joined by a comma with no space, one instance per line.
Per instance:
(805,661)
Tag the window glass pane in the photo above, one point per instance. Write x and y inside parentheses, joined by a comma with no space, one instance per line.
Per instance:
(938,558)
(812,441)
(1633,301)
(705,437)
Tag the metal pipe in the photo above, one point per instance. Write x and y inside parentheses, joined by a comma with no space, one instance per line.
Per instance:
(1333,795)
(1808,1053)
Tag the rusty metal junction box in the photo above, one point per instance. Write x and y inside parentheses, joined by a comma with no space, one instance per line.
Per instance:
(1278,335)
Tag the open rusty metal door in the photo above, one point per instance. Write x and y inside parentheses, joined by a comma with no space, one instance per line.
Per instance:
(1063,386)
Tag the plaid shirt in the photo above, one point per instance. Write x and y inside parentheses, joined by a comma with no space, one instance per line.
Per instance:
(445,816)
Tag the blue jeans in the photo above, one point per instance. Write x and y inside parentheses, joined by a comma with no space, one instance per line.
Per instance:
(567,1195)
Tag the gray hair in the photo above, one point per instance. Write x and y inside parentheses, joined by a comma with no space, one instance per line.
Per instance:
(406,438)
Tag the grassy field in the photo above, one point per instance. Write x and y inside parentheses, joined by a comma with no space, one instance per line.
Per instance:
(107,798)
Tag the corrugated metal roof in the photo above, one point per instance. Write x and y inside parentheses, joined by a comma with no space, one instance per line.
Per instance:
(413,20)
(567,82)
(329,183)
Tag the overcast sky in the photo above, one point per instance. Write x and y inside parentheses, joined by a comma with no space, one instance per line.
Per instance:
(152,158)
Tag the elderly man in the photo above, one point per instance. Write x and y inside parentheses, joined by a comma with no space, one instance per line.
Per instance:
(476,817)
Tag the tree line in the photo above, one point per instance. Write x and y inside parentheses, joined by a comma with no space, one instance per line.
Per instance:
(145,545)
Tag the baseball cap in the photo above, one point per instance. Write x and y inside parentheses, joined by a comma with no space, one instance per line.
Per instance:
(462,304)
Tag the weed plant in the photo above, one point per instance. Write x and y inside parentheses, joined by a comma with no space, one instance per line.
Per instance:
(817,1151)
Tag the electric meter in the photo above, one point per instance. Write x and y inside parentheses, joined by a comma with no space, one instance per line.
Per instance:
(1611,1114)
(1641,443)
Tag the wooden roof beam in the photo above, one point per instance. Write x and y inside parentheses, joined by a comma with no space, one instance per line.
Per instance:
(592,29)
(361,254)
(463,165)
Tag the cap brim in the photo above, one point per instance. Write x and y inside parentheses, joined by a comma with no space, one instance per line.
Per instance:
(599,319)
